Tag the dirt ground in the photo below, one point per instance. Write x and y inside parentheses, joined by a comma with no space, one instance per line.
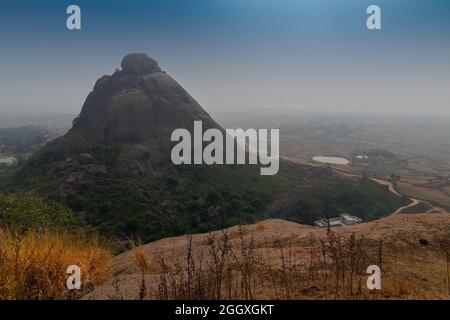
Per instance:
(413,261)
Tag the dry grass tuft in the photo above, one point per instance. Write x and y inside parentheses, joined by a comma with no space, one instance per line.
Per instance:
(33,264)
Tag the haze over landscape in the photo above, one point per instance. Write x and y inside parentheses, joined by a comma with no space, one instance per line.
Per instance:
(87,137)
(253,56)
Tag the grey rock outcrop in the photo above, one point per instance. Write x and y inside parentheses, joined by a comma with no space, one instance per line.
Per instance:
(139,106)
(139,63)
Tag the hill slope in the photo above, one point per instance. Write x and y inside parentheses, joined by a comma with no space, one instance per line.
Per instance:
(276,259)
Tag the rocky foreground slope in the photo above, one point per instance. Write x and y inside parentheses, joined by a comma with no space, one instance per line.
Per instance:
(277,259)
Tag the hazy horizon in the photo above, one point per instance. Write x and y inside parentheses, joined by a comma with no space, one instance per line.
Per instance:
(268,56)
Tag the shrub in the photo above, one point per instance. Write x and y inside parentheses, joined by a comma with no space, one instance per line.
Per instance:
(26,212)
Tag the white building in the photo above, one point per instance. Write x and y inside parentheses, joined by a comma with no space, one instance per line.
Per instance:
(343,220)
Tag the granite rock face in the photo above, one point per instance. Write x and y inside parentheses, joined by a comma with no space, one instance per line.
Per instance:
(139,106)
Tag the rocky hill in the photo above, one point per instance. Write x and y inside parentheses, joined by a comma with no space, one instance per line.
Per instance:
(113,168)
(139,106)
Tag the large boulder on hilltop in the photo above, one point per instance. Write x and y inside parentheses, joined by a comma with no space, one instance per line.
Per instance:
(139,105)
(139,63)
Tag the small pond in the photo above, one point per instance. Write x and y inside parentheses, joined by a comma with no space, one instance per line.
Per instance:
(331,160)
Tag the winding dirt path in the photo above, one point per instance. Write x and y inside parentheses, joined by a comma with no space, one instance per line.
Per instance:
(390,186)
(412,204)
(392,189)
(381,182)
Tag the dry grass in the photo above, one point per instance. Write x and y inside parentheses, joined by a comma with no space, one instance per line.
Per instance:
(333,267)
(33,264)
(285,260)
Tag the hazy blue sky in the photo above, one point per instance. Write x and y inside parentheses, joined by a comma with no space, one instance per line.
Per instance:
(234,55)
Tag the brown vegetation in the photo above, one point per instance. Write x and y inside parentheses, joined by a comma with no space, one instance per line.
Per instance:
(33,264)
(277,259)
